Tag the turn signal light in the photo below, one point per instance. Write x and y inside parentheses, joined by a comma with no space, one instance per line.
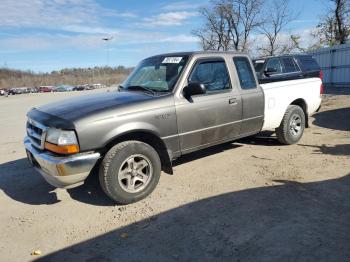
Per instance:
(66,149)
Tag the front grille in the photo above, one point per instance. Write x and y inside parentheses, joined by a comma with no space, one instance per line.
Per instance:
(36,133)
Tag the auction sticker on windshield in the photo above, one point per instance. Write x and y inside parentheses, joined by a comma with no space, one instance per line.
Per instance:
(171,60)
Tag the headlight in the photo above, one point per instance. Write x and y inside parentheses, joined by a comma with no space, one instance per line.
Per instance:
(61,137)
(61,141)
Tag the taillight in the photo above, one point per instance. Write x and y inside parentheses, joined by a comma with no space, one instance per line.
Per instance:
(321,75)
(321,87)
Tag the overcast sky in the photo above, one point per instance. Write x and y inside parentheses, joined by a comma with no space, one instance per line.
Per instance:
(45,35)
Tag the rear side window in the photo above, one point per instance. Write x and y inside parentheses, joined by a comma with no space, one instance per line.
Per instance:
(289,65)
(245,73)
(308,63)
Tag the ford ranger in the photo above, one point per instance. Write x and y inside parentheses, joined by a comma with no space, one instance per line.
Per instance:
(170,105)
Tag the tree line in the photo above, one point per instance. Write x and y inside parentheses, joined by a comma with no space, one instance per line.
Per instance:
(75,76)
(256,26)
(260,27)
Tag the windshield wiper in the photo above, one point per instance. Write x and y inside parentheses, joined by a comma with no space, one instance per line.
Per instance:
(140,88)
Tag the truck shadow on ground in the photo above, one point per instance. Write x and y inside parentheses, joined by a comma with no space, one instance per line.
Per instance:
(337,119)
(337,150)
(23,184)
(265,138)
(289,221)
(205,153)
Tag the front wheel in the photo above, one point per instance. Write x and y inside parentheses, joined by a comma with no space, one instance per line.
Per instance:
(292,126)
(130,171)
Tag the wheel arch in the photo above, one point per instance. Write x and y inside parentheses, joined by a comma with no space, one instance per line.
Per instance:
(303,105)
(145,136)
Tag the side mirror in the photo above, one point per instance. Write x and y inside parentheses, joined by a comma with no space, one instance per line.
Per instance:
(270,71)
(194,88)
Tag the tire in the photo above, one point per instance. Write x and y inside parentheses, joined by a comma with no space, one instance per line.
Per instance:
(292,126)
(130,171)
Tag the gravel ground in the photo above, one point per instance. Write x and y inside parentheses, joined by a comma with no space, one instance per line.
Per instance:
(252,200)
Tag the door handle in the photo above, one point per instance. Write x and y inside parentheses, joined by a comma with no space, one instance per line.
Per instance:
(232,101)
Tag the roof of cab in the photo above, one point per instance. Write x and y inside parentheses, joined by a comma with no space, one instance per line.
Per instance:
(191,53)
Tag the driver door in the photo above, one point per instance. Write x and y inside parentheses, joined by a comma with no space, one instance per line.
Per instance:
(212,117)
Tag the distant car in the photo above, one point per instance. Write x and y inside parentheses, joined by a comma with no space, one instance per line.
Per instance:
(32,90)
(80,88)
(46,89)
(64,88)
(15,91)
(89,87)
(286,67)
(3,92)
(98,86)
(24,90)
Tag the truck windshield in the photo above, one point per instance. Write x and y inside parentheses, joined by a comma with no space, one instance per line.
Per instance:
(157,74)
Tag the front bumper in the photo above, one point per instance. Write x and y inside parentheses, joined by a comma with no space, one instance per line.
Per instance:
(61,171)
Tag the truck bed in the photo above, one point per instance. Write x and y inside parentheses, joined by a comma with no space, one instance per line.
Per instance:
(278,95)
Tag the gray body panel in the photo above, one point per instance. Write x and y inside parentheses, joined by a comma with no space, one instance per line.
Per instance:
(208,119)
(252,107)
(184,125)
(215,118)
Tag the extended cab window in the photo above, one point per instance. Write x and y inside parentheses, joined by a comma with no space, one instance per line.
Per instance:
(289,65)
(213,74)
(274,63)
(245,73)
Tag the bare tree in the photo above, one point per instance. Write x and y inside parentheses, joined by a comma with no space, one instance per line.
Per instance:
(213,35)
(341,13)
(228,24)
(278,16)
(334,27)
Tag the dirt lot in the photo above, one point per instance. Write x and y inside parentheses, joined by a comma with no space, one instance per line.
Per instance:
(252,200)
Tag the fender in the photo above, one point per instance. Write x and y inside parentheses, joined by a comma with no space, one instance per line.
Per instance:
(129,128)
(146,133)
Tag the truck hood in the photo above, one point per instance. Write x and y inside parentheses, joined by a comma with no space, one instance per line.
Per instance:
(76,108)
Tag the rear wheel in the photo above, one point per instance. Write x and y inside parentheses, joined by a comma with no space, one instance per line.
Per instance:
(292,126)
(130,171)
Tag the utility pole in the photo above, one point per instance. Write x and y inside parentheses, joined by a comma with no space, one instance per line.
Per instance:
(107,40)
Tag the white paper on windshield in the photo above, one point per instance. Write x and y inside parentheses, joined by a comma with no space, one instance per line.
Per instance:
(171,60)
(259,61)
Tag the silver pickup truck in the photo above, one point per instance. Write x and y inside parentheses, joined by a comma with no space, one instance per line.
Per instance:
(170,105)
